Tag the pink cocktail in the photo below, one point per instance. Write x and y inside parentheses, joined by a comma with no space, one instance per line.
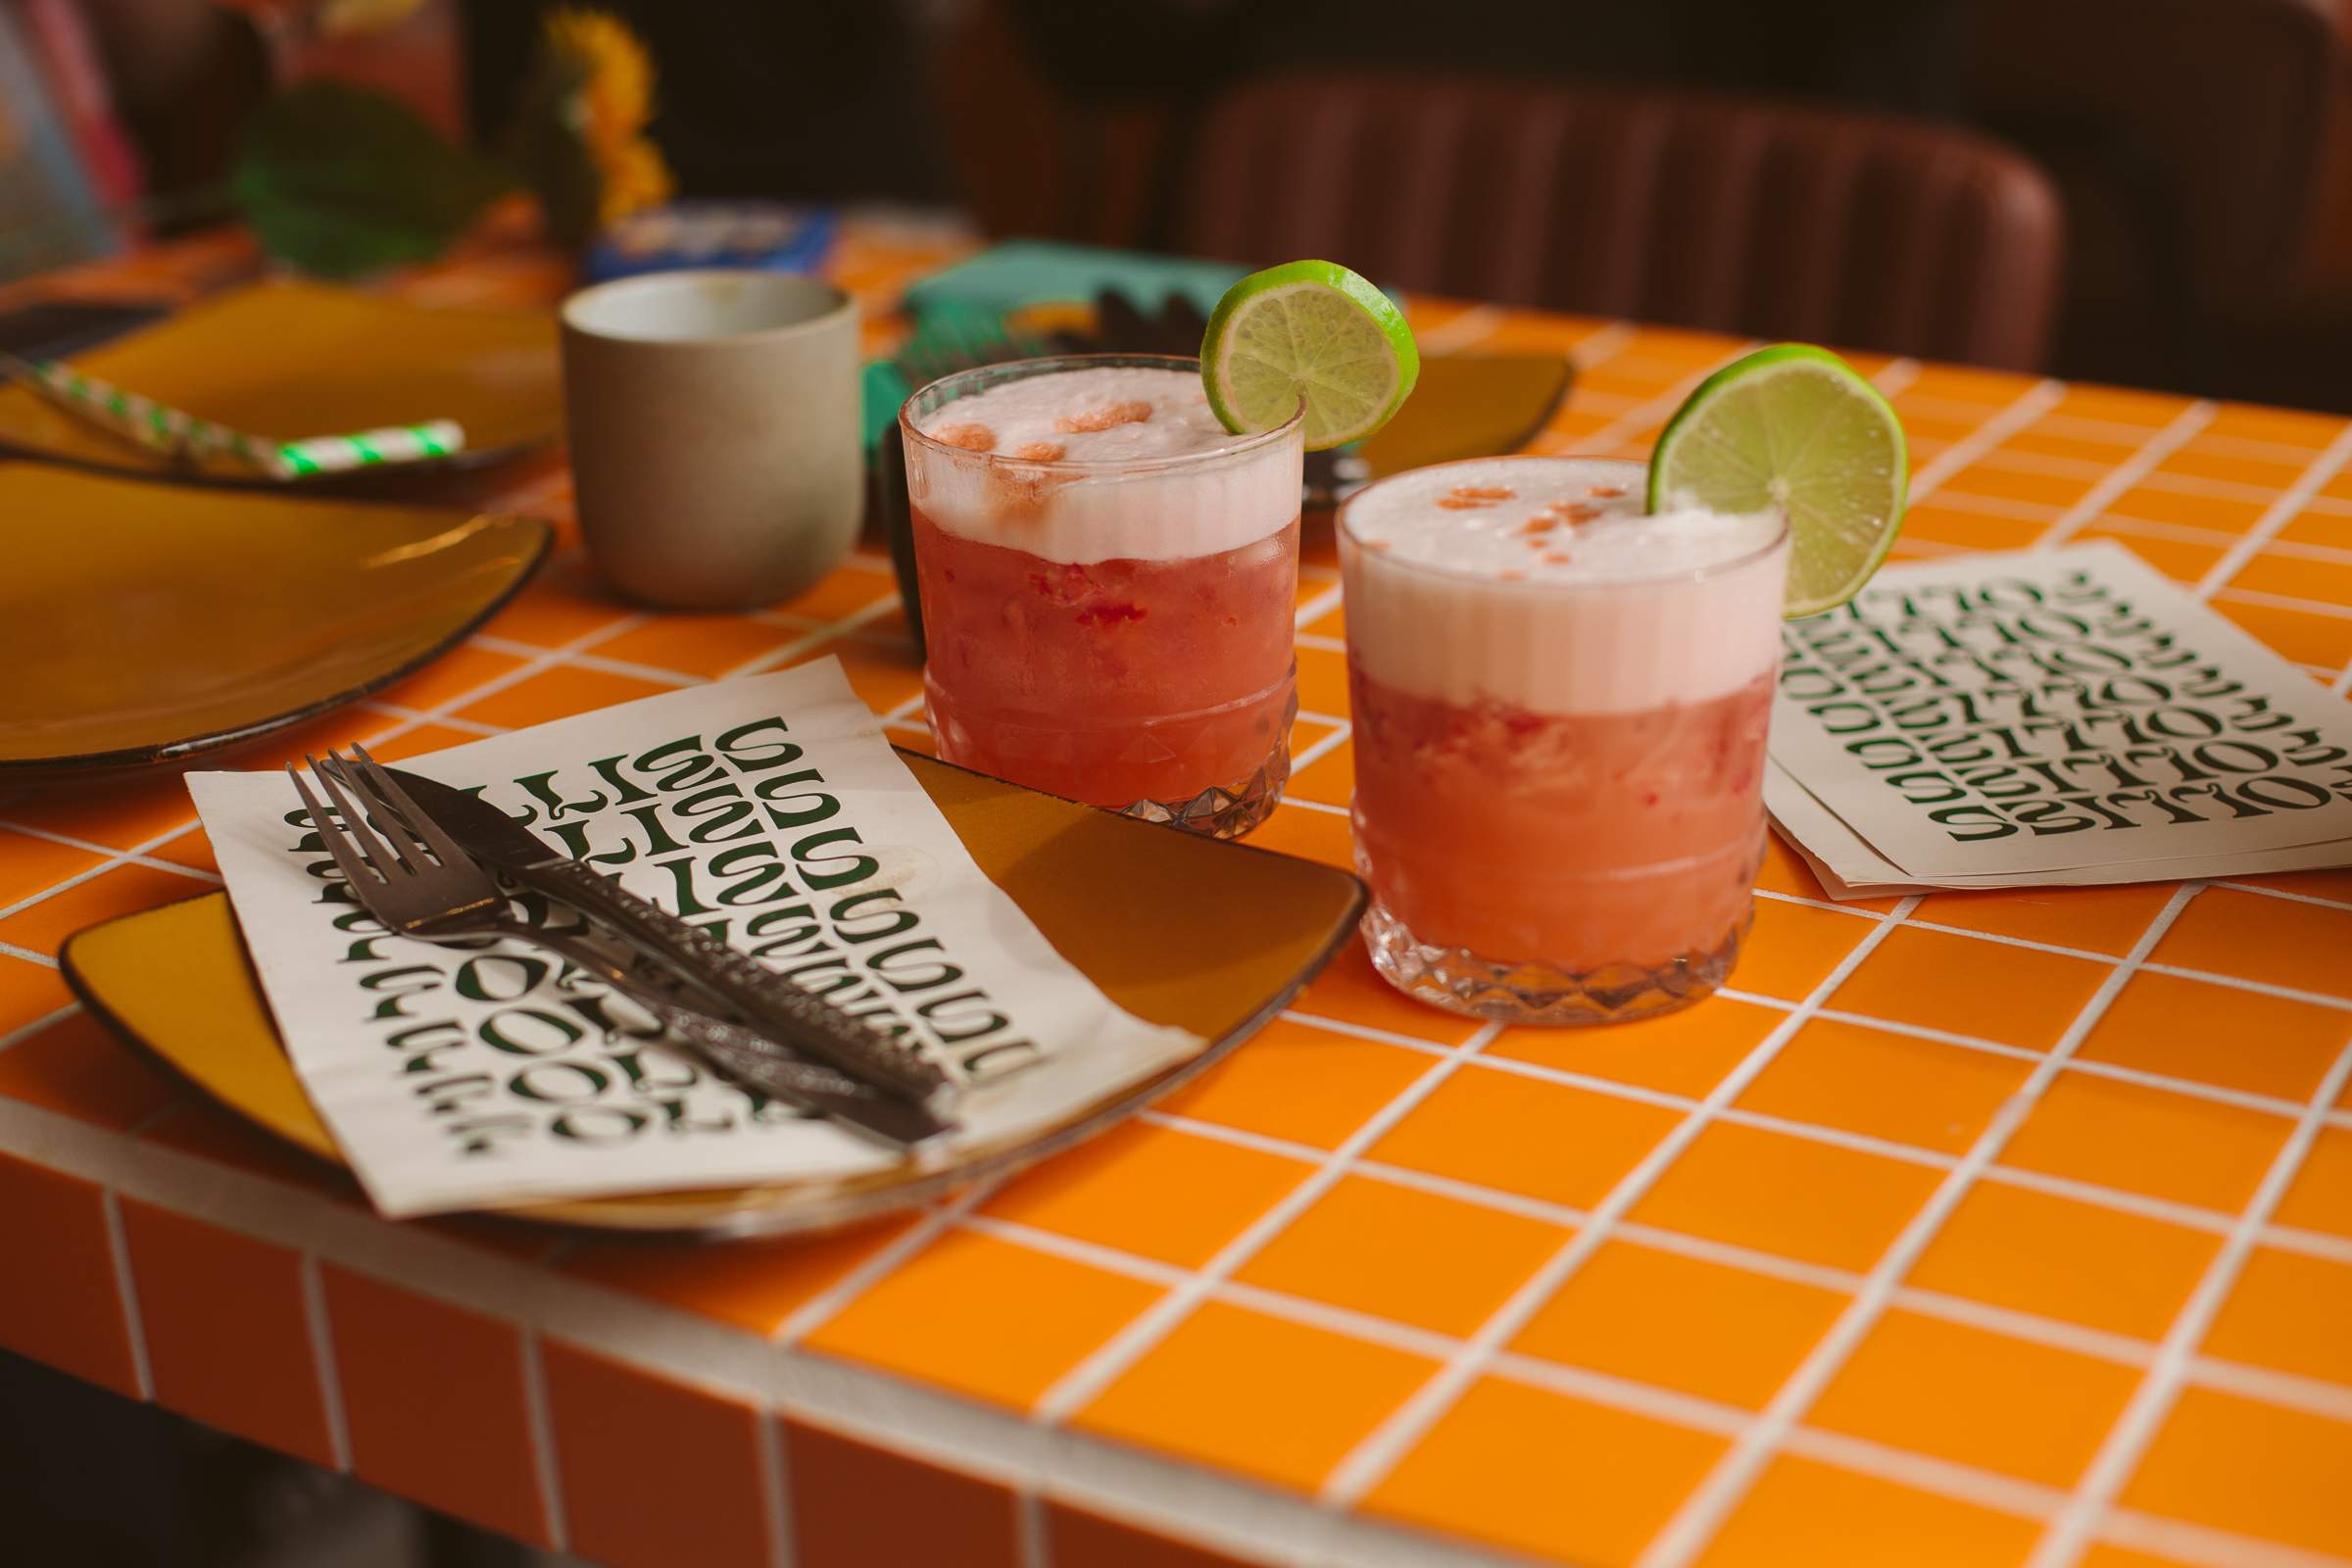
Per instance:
(1559,707)
(1108,581)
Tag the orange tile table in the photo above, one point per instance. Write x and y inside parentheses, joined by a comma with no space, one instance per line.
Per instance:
(1969,1229)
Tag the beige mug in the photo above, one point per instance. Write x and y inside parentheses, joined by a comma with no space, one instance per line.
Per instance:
(714,433)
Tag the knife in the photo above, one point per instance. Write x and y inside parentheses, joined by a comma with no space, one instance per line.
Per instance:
(774,1005)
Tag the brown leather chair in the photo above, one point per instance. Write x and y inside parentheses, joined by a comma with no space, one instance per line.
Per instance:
(1773,220)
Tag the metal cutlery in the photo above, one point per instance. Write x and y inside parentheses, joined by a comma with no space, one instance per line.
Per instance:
(434,891)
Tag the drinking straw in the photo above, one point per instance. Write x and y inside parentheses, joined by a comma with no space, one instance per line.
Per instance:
(177,433)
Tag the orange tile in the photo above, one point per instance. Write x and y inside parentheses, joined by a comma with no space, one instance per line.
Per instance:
(1865,1080)
(1784,871)
(2154,410)
(1022,1318)
(561,604)
(1308,834)
(754,1285)
(77,1065)
(2213,1034)
(200,1128)
(1537,1472)
(1350,991)
(623,1435)
(1323,681)
(882,674)
(2331,528)
(30,866)
(2246,936)
(2290,427)
(1077,1537)
(1793,948)
(2057,491)
(1523,1135)
(453,675)
(1962,383)
(2183,560)
(2202,461)
(1296,1081)
(2101,919)
(120,816)
(2306,636)
(2147,1141)
(2320,1197)
(1686,1052)
(418,742)
(1975,1398)
(857,1505)
(1681,1323)
(2017,996)
(558,693)
(842,593)
(2298,577)
(1239,1391)
(2336,885)
(53,1232)
(2109,447)
(1976,530)
(708,645)
(2288,1311)
(1803,1512)
(2102,1555)
(42,927)
(2056,1258)
(1329,779)
(2258,1469)
(228,1340)
(2151,505)
(1405,1255)
(1151,1191)
(194,848)
(28,991)
(1784,1194)
(433,1397)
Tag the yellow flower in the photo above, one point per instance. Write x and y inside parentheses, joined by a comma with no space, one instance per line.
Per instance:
(619,85)
(634,176)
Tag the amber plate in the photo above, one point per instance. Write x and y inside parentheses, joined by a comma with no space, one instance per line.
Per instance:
(290,360)
(145,625)
(1224,938)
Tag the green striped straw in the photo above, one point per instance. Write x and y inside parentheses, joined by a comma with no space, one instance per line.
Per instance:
(177,433)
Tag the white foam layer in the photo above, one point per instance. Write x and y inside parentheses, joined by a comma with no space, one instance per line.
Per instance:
(1023,470)
(1526,581)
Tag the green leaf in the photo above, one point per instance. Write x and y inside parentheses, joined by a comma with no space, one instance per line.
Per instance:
(339,180)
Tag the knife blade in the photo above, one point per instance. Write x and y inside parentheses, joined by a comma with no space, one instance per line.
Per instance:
(773,1003)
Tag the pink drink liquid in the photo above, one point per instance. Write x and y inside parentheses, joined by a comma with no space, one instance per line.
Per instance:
(1108,681)
(1108,579)
(1559,707)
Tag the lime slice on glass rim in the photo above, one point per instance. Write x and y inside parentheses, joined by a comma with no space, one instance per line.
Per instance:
(1310,330)
(1796,428)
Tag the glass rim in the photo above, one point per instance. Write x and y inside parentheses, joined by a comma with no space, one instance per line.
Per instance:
(1685,575)
(1050,363)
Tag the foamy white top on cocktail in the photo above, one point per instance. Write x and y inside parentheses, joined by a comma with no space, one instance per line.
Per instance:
(1540,583)
(1007,492)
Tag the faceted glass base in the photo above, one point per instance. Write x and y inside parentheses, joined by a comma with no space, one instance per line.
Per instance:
(1222,811)
(1539,993)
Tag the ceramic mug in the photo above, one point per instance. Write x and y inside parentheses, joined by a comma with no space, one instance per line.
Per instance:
(714,433)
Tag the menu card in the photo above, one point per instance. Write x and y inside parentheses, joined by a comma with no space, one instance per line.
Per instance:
(772,813)
(2048,718)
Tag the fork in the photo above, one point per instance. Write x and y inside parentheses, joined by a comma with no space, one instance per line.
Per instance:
(435,892)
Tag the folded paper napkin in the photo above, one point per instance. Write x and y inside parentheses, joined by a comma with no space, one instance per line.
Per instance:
(769,810)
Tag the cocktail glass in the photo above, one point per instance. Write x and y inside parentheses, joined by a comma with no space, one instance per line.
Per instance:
(1558,784)
(1113,632)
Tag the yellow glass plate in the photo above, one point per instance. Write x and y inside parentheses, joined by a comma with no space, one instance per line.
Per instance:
(1211,937)
(289,359)
(145,623)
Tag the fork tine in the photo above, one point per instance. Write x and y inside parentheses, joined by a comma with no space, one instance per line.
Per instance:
(380,854)
(356,870)
(379,781)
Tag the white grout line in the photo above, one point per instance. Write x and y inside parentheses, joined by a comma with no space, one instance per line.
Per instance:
(2323,468)
(125,856)
(2271,600)
(2029,406)
(27,955)
(1642,415)
(2000,506)
(2129,1439)
(2204,1547)
(1372,1459)
(1701,1513)
(777,658)
(28,1030)
(126,1285)
(1030,1548)
(820,1308)
(542,1421)
(1315,609)
(1314,752)
(775,1488)
(1598,348)
(1076,1387)
(2124,476)
(322,1356)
